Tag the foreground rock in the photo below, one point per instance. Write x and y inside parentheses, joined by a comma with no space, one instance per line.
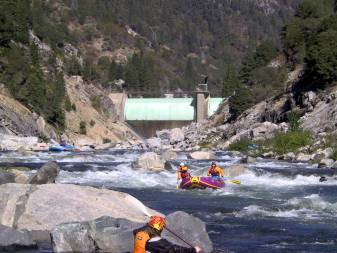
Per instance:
(41,207)
(201,155)
(149,161)
(12,240)
(46,174)
(112,235)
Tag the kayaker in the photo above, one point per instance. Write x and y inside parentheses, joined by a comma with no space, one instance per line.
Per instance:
(148,239)
(216,172)
(182,172)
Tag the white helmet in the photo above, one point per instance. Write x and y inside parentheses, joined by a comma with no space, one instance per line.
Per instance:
(182,164)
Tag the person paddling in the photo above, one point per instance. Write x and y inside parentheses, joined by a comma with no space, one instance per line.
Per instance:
(148,239)
(182,172)
(215,172)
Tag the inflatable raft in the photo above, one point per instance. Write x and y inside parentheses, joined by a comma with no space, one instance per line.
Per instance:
(59,148)
(201,183)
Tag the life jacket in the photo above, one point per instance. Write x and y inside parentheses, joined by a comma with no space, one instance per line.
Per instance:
(214,171)
(183,172)
(141,238)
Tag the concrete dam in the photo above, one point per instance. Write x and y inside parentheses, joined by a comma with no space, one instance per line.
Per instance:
(148,115)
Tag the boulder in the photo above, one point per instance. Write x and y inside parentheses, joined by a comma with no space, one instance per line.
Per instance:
(46,174)
(41,207)
(11,142)
(12,240)
(303,157)
(116,235)
(248,159)
(188,227)
(72,237)
(327,152)
(323,116)
(326,163)
(235,170)
(6,177)
(201,155)
(21,177)
(265,130)
(176,135)
(169,155)
(149,161)
(288,156)
(269,154)
(154,143)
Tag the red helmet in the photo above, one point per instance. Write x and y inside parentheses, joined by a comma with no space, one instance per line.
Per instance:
(213,163)
(157,222)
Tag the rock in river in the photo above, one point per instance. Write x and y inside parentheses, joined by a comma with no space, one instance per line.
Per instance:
(115,235)
(41,207)
(46,174)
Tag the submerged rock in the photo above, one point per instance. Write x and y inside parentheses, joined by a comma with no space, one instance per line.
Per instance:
(46,174)
(116,235)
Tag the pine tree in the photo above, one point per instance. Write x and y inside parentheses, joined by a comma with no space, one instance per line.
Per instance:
(230,82)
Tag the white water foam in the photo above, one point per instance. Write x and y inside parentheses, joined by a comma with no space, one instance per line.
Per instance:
(310,207)
(277,180)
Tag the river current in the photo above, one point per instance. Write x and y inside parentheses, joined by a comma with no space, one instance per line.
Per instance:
(278,207)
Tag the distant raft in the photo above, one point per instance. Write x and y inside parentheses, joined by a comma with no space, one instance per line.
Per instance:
(60,148)
(201,183)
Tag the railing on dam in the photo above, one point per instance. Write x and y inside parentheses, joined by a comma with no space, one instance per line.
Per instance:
(165,109)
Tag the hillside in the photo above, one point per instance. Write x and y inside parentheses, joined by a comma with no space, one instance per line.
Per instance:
(145,47)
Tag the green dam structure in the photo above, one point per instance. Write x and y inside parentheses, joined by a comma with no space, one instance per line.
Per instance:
(147,115)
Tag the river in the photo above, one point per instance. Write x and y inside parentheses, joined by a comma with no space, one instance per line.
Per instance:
(279,206)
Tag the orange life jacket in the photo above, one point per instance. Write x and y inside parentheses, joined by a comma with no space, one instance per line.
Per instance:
(183,172)
(217,171)
(141,239)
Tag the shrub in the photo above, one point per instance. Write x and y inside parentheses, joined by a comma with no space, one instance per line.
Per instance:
(106,140)
(67,104)
(83,127)
(334,154)
(291,141)
(96,102)
(241,145)
(73,107)
(92,123)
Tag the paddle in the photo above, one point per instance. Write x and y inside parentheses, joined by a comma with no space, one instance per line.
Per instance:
(234,181)
(144,210)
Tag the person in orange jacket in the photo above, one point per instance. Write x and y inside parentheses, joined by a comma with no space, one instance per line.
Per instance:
(182,172)
(147,239)
(215,172)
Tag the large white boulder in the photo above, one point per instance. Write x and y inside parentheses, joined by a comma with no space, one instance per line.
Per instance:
(41,207)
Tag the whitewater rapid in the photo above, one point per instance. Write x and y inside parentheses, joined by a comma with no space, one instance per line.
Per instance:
(275,208)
